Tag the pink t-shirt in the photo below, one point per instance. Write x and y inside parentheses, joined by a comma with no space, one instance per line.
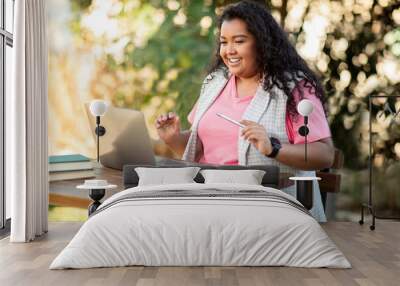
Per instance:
(219,137)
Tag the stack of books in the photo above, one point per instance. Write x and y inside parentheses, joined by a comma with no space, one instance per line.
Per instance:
(70,167)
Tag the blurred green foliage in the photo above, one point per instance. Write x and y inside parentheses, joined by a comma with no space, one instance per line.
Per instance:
(366,47)
(182,48)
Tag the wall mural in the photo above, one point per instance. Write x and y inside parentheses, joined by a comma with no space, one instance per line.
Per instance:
(152,55)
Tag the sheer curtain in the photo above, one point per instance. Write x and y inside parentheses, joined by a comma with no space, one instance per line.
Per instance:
(26,124)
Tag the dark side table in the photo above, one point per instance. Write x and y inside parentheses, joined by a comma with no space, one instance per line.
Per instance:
(97,190)
(304,190)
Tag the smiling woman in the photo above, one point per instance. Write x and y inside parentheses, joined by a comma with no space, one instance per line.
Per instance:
(257,78)
(238,49)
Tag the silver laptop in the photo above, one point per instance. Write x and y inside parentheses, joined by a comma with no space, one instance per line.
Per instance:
(126,140)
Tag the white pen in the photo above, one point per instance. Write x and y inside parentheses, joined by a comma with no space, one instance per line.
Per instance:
(230,120)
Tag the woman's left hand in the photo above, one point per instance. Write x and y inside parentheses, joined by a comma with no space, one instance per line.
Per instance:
(256,135)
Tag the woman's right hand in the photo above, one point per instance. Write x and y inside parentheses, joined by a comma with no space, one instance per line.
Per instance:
(168,127)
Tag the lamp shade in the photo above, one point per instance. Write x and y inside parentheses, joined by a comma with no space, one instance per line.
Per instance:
(98,107)
(305,107)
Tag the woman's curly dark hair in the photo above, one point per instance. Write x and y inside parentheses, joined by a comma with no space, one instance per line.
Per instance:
(278,60)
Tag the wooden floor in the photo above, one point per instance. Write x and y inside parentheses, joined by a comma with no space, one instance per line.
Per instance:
(375,257)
